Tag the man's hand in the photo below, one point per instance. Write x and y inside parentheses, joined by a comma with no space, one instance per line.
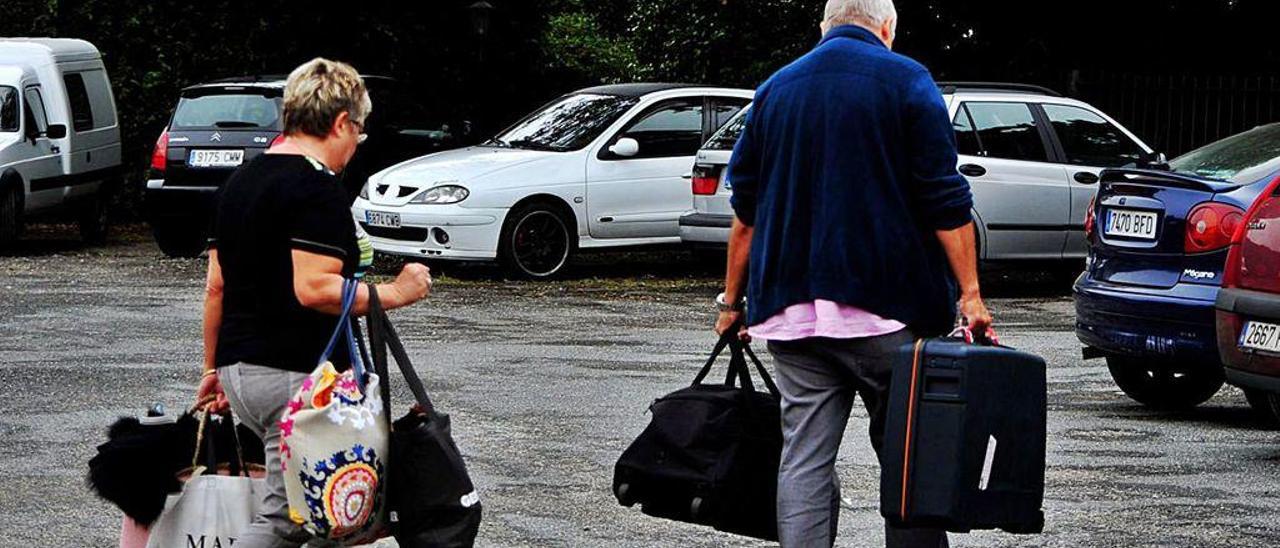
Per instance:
(976,316)
(727,320)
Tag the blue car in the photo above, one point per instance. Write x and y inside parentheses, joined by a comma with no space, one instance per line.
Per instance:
(1157,245)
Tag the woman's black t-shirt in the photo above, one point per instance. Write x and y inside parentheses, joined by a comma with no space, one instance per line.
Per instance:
(269,207)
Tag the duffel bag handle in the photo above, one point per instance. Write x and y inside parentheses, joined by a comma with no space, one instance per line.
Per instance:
(737,364)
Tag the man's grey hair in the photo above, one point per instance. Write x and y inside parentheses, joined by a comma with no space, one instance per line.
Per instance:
(871,13)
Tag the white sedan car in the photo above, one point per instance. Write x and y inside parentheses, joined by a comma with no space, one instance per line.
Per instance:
(598,168)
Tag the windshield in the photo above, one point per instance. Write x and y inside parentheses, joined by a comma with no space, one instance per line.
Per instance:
(1244,157)
(8,109)
(227,111)
(727,137)
(569,123)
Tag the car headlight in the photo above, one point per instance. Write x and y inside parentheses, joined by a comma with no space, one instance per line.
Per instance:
(443,194)
(364,191)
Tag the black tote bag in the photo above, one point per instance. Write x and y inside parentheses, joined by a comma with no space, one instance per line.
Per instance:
(710,454)
(432,501)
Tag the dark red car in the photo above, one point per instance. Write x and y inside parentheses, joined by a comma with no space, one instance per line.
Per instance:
(1248,307)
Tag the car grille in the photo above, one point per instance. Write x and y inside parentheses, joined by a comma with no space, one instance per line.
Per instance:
(407,233)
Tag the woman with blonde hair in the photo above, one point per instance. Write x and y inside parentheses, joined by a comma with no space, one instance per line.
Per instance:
(283,240)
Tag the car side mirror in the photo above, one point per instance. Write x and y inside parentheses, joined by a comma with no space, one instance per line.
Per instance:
(1155,160)
(626,147)
(56,131)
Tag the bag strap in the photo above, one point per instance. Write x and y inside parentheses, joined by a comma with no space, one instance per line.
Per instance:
(206,442)
(725,340)
(739,352)
(738,367)
(344,320)
(346,330)
(760,370)
(383,336)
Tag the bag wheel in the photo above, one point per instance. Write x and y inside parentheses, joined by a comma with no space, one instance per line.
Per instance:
(695,507)
(623,492)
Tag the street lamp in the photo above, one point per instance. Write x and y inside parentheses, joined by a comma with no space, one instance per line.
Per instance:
(480,12)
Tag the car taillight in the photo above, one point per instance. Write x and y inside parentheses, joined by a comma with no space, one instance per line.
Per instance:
(706,181)
(279,139)
(1211,226)
(1232,269)
(160,155)
(1090,222)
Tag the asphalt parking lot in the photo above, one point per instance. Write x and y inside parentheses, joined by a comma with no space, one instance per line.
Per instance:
(548,382)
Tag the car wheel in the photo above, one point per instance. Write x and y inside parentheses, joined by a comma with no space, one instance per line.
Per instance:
(1266,405)
(536,242)
(1167,386)
(10,216)
(178,240)
(92,219)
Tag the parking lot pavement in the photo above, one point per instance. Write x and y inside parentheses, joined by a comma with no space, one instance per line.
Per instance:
(548,382)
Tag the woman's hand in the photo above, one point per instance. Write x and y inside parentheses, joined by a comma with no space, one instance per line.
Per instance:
(413,283)
(210,396)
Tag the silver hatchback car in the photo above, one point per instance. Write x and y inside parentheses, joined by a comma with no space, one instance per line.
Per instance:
(1031,156)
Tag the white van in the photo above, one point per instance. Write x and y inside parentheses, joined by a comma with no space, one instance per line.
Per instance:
(59,137)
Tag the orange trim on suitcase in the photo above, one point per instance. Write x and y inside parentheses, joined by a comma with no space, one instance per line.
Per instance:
(911,411)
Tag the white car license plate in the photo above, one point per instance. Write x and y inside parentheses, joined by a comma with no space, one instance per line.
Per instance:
(383,219)
(216,158)
(1131,224)
(1260,336)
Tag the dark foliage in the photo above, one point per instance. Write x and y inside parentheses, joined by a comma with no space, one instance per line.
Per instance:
(535,50)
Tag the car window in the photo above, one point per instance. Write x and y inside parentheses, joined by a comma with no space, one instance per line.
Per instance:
(1008,131)
(673,129)
(81,111)
(231,110)
(102,110)
(569,123)
(1243,157)
(37,120)
(1090,140)
(966,137)
(8,109)
(727,137)
(724,109)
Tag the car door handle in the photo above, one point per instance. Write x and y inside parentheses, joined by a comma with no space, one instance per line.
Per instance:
(1086,178)
(973,170)
(687,176)
(54,149)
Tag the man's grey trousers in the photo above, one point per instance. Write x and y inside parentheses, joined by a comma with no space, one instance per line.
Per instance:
(819,378)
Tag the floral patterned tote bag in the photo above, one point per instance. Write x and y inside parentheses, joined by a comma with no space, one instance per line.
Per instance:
(334,445)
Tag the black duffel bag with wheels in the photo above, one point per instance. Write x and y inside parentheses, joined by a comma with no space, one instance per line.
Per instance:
(710,454)
(432,502)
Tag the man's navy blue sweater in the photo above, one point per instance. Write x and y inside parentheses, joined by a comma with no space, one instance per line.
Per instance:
(846,169)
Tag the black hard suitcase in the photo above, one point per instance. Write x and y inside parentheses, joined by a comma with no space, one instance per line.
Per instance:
(964,443)
(710,454)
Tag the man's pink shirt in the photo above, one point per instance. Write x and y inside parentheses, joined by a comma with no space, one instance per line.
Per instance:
(822,318)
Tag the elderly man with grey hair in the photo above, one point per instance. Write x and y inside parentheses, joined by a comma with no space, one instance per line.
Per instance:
(852,237)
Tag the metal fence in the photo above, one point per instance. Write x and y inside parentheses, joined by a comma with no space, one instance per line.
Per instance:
(1178,113)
